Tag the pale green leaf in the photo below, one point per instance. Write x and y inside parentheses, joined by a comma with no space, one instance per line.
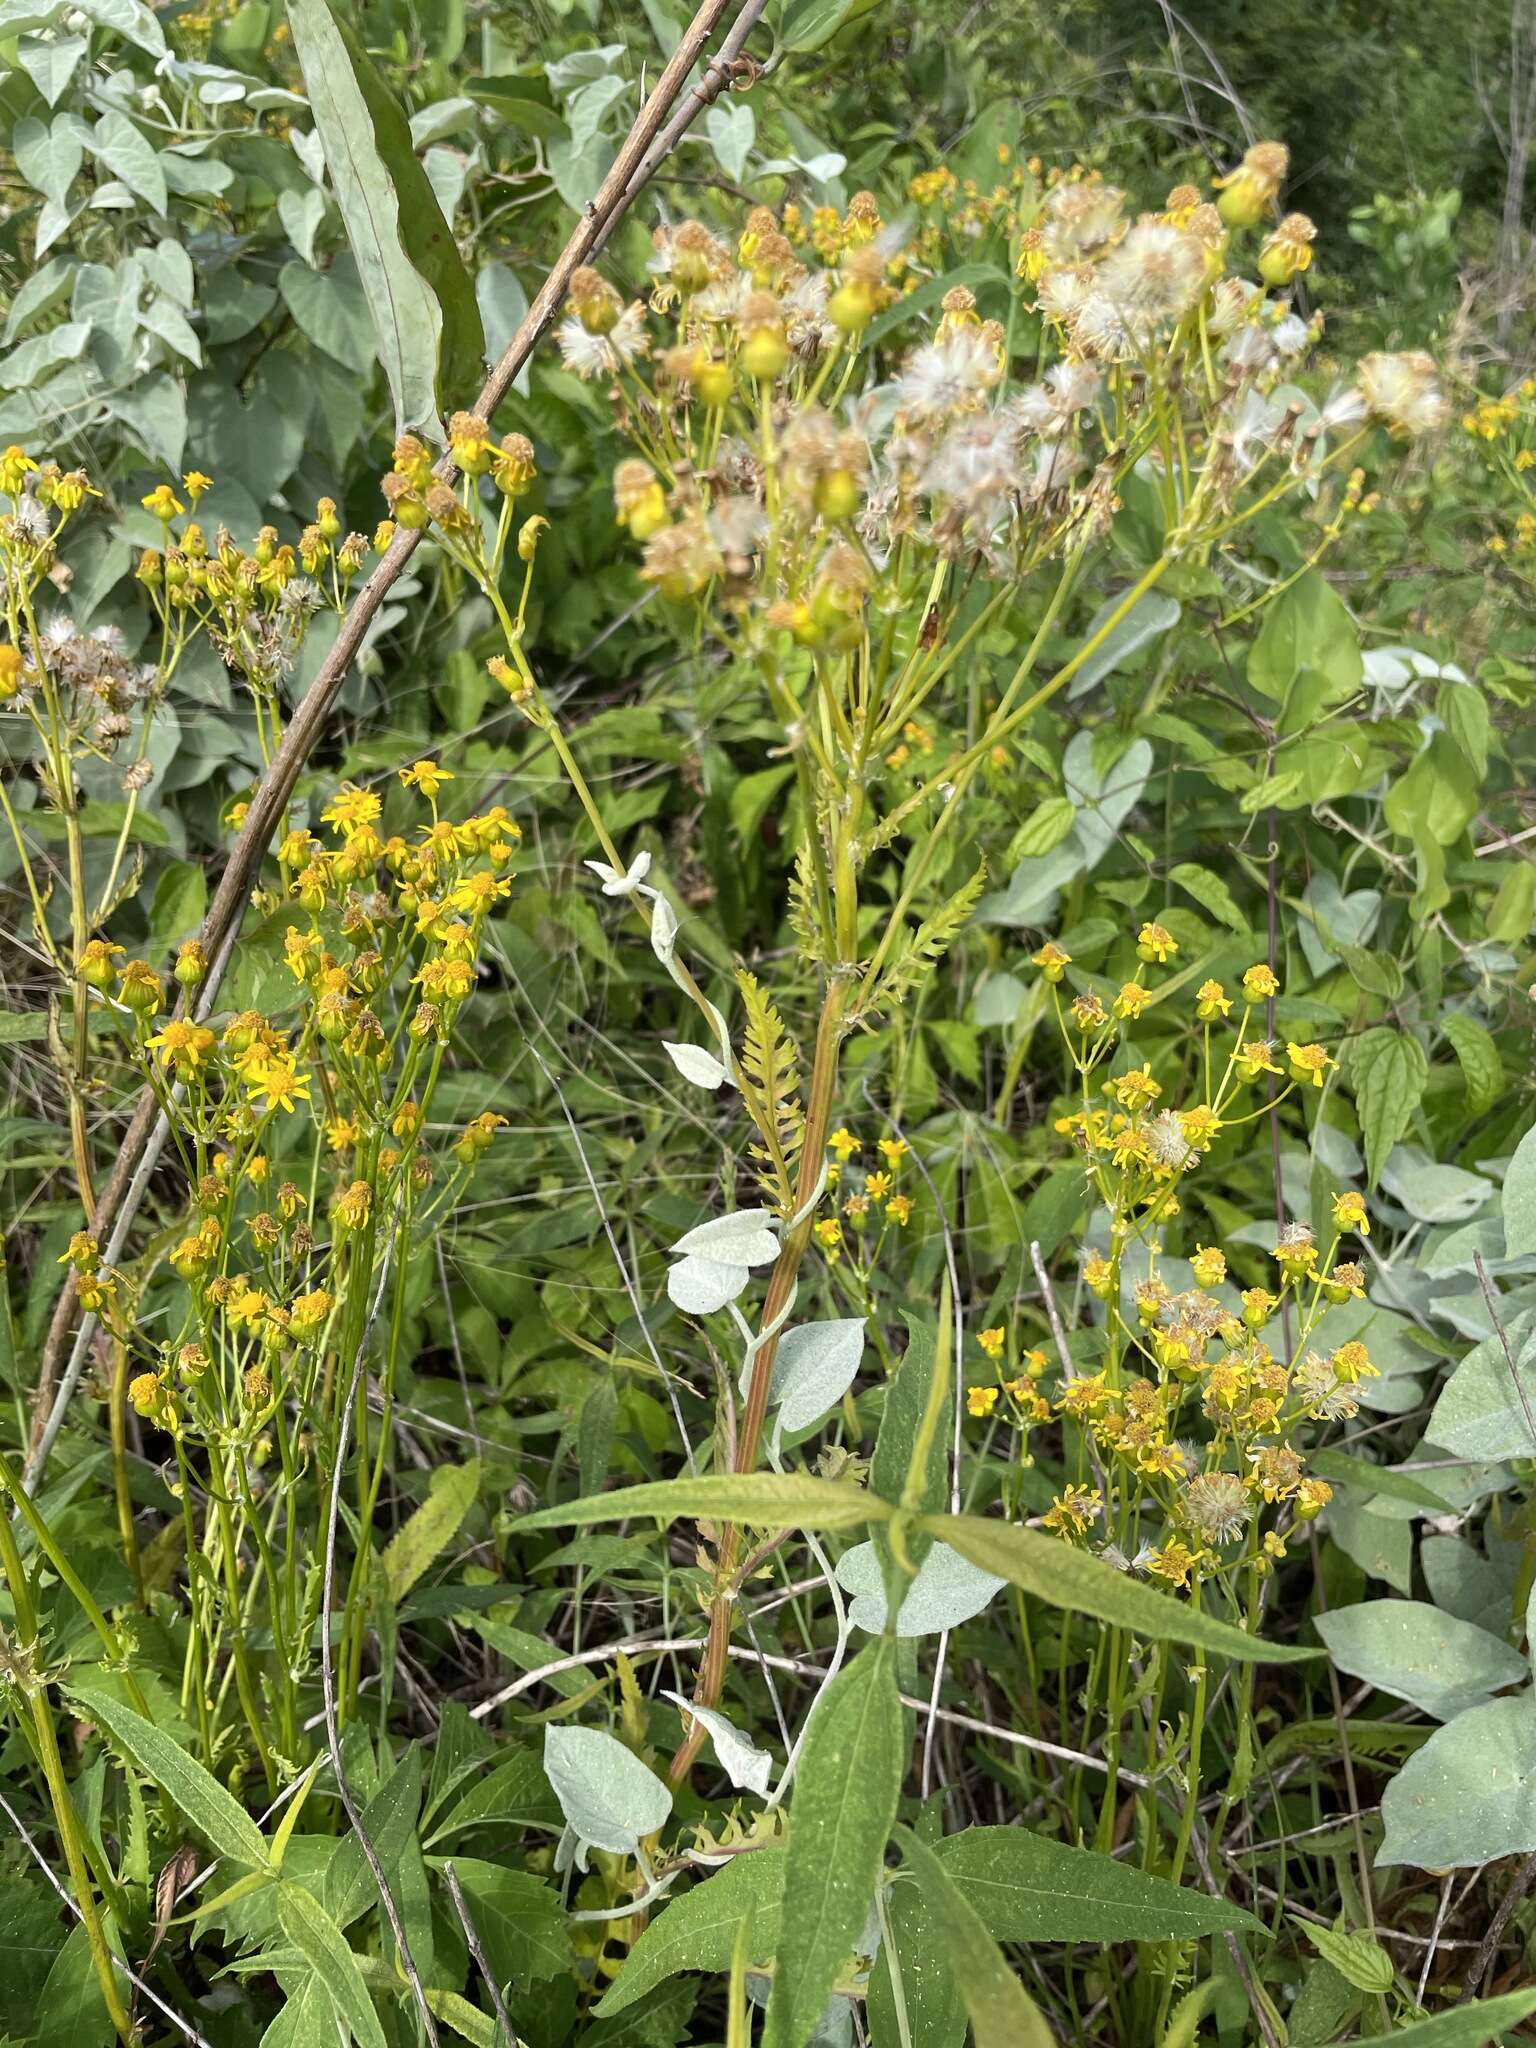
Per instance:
(1469,1795)
(763,1500)
(1420,1654)
(429,1531)
(698,1930)
(1028,1888)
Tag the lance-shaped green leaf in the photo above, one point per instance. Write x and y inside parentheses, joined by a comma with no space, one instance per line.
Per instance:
(224,1825)
(1002,2013)
(320,1941)
(840,1820)
(406,316)
(1028,1888)
(1468,2026)
(764,1500)
(1053,1571)
(698,1930)
(427,237)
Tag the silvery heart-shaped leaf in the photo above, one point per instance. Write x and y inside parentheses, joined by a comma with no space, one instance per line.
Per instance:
(663,930)
(1147,620)
(609,1799)
(1105,798)
(1480,1412)
(1420,1654)
(744,1238)
(699,1286)
(1430,1192)
(695,1064)
(948,1589)
(814,1368)
(1335,920)
(743,1762)
(1469,1795)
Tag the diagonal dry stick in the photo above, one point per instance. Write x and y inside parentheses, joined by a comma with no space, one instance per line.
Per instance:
(119,1200)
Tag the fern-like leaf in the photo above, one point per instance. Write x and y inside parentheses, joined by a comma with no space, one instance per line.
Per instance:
(926,947)
(771,1061)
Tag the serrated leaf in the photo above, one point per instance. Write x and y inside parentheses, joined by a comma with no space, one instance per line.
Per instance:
(432,1527)
(1357,1956)
(1387,1070)
(843,1807)
(1481,1067)
(406,318)
(224,1825)
(519,1919)
(1210,892)
(1063,1577)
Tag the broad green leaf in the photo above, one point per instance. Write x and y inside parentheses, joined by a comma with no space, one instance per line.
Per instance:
(318,1939)
(1106,793)
(1210,892)
(763,1500)
(1519,1199)
(22,1027)
(1357,1956)
(1419,1654)
(514,1793)
(1469,1795)
(1387,1070)
(466,2020)
(306,2019)
(71,2012)
(1056,1573)
(1044,829)
(1002,2013)
(698,1930)
(519,1918)
(429,1531)
(844,1804)
(1480,1413)
(1514,905)
(1468,2026)
(407,320)
(1481,1066)
(49,158)
(181,897)
(427,237)
(1306,628)
(128,154)
(813,1368)
(1437,798)
(1028,1888)
(227,1827)
(610,1799)
(1152,617)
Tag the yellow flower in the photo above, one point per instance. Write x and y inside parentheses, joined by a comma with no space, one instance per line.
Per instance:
(1052,960)
(899,1208)
(476,893)
(1309,1062)
(1255,1058)
(1173,1563)
(1156,942)
(195,483)
(163,502)
(892,1151)
(275,1076)
(1211,1002)
(980,1400)
(1352,1362)
(1349,1213)
(1200,1125)
(15,467)
(350,809)
(877,1186)
(1132,999)
(351,1208)
(992,1341)
(844,1143)
(1208,1265)
(427,776)
(185,1047)
(1132,1089)
(1259,984)
(829,1231)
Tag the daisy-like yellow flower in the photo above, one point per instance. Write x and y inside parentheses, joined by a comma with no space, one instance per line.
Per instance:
(1200,1125)
(877,1186)
(475,894)
(1172,1564)
(1259,984)
(427,776)
(1155,942)
(844,1143)
(899,1208)
(1131,1090)
(163,502)
(1255,1058)
(1208,1265)
(352,1207)
(892,1151)
(1349,1213)
(350,809)
(195,483)
(275,1077)
(1052,960)
(1309,1063)
(186,1047)
(992,1341)
(980,1400)
(1211,1002)
(1132,999)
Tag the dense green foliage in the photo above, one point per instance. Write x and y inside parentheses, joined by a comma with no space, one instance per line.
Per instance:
(834,1338)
